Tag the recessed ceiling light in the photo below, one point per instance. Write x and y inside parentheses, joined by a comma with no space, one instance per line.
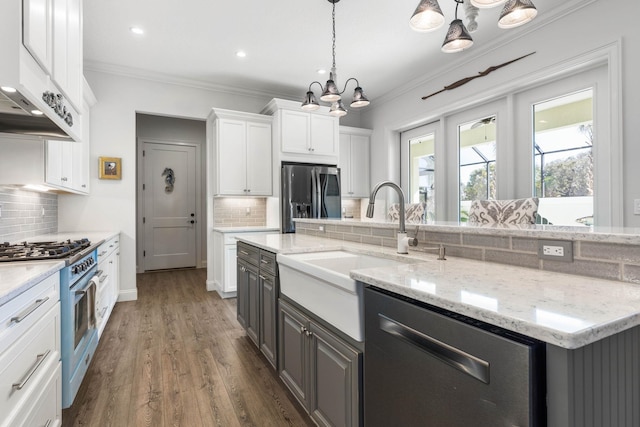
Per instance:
(136,30)
(241,54)
(8,89)
(322,71)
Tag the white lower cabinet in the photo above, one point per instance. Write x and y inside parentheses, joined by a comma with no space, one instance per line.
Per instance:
(108,282)
(30,369)
(225,276)
(320,368)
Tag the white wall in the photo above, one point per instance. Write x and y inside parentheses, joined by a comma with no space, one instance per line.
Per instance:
(587,29)
(112,204)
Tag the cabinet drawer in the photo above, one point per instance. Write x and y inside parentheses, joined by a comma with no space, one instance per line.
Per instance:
(105,249)
(268,262)
(47,409)
(249,253)
(24,365)
(22,312)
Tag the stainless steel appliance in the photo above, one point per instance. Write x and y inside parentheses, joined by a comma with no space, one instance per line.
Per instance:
(308,191)
(78,284)
(425,366)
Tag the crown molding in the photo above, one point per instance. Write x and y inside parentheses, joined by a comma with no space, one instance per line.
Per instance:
(136,73)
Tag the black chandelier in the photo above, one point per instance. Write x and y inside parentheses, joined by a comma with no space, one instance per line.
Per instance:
(429,17)
(330,92)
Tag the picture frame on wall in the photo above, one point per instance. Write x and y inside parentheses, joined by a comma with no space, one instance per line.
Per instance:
(110,168)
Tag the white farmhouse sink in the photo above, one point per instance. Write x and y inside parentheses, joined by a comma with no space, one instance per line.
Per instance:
(320,282)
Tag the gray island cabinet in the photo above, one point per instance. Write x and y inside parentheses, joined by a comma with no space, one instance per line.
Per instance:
(257,297)
(320,368)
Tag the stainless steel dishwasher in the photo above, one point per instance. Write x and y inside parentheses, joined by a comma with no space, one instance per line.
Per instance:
(424,366)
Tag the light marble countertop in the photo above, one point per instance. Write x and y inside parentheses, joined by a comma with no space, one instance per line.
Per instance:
(18,277)
(564,310)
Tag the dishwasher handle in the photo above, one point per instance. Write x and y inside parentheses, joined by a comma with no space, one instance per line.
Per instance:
(460,360)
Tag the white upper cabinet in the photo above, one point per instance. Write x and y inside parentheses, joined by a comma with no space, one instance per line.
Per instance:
(67,48)
(354,162)
(323,138)
(59,168)
(241,153)
(303,136)
(37,29)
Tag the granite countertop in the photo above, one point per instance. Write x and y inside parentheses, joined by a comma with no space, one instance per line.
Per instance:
(564,310)
(18,277)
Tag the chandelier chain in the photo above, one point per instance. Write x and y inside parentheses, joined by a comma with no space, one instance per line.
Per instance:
(333,49)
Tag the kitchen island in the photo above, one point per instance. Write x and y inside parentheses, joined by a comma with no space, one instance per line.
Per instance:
(590,324)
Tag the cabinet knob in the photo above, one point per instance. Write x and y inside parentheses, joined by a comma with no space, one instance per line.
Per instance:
(303,329)
(309,333)
(63,179)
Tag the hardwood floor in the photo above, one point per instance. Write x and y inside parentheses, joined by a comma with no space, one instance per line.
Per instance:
(178,357)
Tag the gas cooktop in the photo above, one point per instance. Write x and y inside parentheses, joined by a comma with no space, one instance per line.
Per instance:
(32,251)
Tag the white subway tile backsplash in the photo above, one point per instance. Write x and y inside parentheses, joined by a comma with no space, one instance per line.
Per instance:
(22,214)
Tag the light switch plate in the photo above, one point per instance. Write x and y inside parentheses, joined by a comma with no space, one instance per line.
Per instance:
(556,250)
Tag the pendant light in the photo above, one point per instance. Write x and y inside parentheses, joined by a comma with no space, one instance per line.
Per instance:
(428,16)
(516,13)
(457,38)
(330,92)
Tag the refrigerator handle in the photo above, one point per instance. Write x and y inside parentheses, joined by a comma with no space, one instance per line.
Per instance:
(315,194)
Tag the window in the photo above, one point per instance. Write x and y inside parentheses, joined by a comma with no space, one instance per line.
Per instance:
(477,167)
(563,158)
(419,180)
(422,173)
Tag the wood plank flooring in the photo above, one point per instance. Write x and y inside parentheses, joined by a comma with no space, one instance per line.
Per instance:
(178,357)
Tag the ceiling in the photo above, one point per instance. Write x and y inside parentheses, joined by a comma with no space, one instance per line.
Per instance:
(286,42)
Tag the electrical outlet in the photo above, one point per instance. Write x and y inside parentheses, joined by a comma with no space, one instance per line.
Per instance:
(555,250)
(248,211)
(636,206)
(321,228)
(42,211)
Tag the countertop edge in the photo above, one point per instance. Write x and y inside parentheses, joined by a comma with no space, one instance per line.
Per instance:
(44,270)
(566,340)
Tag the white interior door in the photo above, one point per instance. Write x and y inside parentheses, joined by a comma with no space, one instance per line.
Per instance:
(169,211)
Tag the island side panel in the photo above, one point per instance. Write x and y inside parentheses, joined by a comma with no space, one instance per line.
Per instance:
(597,385)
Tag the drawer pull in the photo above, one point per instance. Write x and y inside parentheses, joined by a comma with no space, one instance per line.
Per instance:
(39,359)
(244,252)
(262,277)
(99,272)
(48,423)
(103,278)
(20,317)
(264,261)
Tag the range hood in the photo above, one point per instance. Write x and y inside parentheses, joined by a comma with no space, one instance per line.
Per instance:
(18,115)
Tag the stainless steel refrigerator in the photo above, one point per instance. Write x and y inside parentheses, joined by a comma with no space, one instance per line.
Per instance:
(308,191)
